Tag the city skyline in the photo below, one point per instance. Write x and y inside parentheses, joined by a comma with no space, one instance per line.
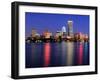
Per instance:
(55,40)
(55,22)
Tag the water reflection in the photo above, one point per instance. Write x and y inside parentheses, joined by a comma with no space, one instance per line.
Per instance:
(56,54)
(80,52)
(86,53)
(46,54)
(64,53)
(70,52)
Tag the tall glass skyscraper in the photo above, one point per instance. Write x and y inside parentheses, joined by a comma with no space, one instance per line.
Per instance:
(70,28)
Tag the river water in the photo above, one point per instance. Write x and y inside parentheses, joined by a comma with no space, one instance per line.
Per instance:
(56,54)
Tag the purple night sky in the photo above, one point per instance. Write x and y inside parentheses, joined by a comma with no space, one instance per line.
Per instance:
(55,22)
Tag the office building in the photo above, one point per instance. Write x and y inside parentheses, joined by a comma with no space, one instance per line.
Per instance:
(70,28)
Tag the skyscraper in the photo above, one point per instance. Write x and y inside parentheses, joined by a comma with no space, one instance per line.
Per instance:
(63,29)
(70,28)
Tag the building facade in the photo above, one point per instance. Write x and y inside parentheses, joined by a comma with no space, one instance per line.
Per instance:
(70,28)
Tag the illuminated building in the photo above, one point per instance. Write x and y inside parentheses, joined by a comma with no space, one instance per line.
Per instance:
(63,29)
(70,28)
(63,32)
(86,38)
(37,36)
(47,34)
(58,33)
(81,37)
(76,36)
(33,34)
(58,36)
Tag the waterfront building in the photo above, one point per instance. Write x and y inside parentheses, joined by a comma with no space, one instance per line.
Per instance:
(47,34)
(58,36)
(63,29)
(86,37)
(76,36)
(63,32)
(70,28)
(58,33)
(80,37)
(33,33)
(37,36)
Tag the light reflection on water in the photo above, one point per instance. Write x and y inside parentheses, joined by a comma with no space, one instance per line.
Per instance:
(56,54)
(47,54)
(70,52)
(80,52)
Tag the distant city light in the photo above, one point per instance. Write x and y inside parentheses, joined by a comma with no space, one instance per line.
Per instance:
(59,36)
